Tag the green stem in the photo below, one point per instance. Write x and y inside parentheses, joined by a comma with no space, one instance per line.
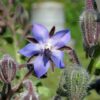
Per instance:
(11,25)
(15,44)
(96,54)
(3,93)
(90,66)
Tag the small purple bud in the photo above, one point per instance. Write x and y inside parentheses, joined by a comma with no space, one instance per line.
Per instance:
(89,27)
(90,30)
(30,94)
(8,69)
(89,4)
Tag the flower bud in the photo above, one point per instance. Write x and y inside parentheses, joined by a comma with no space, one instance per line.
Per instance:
(73,83)
(7,69)
(89,4)
(30,94)
(90,28)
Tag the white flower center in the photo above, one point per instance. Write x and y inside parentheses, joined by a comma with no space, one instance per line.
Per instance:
(48,46)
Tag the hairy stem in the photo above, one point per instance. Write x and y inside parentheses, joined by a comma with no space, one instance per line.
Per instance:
(6,91)
(15,43)
(16,88)
(90,66)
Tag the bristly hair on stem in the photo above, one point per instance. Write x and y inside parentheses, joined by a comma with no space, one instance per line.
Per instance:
(72,54)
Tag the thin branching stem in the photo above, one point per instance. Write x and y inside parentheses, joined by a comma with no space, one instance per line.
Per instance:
(11,25)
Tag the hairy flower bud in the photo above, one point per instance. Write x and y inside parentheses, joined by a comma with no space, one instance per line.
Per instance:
(90,28)
(30,94)
(73,83)
(7,69)
(89,4)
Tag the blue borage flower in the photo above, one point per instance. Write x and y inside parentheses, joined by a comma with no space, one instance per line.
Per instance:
(47,48)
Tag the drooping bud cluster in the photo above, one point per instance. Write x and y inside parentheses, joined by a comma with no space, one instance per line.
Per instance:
(73,83)
(8,68)
(90,28)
